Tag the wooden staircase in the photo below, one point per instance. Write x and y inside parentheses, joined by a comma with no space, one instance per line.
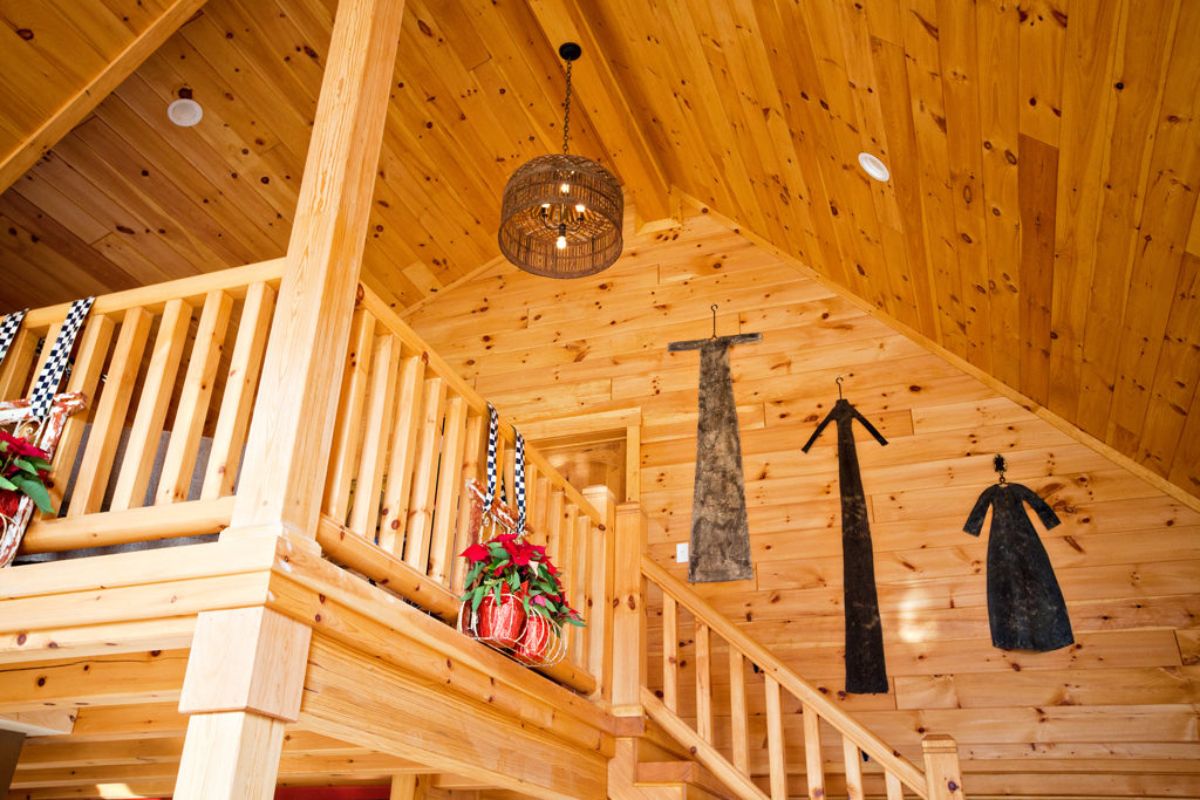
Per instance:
(703,764)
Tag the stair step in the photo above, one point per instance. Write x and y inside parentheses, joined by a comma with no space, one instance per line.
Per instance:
(701,783)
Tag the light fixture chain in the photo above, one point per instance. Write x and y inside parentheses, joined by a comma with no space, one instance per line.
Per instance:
(567,111)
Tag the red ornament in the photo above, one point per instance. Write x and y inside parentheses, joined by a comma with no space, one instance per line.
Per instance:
(501,623)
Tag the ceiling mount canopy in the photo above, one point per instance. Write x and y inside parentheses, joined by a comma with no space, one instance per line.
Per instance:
(562,214)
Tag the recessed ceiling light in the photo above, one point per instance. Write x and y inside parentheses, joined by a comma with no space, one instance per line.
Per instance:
(874,167)
(185,112)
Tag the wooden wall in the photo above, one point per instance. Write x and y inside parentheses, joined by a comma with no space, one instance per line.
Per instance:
(1115,714)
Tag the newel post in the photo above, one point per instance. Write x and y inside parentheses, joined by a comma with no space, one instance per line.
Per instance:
(602,579)
(287,452)
(629,612)
(941,767)
(246,669)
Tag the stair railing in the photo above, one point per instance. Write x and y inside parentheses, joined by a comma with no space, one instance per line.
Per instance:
(637,573)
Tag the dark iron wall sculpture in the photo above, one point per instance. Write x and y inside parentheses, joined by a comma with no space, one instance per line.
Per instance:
(1026,608)
(866,669)
(720,543)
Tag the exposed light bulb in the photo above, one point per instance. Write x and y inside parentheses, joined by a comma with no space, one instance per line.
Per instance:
(564,188)
(545,206)
(580,208)
(561,243)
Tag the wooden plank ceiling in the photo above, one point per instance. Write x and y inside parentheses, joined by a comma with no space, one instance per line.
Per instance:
(1041,220)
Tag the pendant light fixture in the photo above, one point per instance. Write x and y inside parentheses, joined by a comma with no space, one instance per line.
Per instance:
(562,214)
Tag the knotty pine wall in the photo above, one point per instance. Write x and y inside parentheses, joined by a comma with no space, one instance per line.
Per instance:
(1112,715)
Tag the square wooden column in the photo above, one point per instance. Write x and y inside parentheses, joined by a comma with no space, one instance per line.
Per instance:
(287,451)
(244,682)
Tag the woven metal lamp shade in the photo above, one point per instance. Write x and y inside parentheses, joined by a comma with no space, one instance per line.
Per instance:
(561,217)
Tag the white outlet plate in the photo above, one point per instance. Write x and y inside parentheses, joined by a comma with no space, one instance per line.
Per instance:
(681,553)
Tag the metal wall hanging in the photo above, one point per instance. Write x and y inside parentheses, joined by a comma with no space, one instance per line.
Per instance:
(562,214)
(720,543)
(1026,609)
(866,669)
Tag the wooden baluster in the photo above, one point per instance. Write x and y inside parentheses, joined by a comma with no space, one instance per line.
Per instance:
(942,773)
(473,446)
(775,743)
(852,757)
(377,432)
(737,711)
(141,448)
(85,378)
(449,483)
(566,562)
(420,513)
(704,712)
(541,511)
(670,635)
(179,463)
(554,524)
(344,452)
(43,356)
(581,596)
(233,420)
(531,500)
(599,609)
(813,763)
(96,466)
(396,491)
(14,374)
(895,789)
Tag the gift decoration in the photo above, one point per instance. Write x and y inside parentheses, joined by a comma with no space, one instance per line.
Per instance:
(38,422)
(514,599)
(1026,609)
(866,670)
(720,540)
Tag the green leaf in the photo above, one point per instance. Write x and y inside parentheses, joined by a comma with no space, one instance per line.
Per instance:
(5,483)
(40,463)
(33,489)
(25,465)
(476,598)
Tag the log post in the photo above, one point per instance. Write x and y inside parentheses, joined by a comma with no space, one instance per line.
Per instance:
(244,682)
(941,767)
(629,613)
(288,448)
(600,614)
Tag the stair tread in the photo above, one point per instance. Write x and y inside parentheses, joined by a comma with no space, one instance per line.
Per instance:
(685,772)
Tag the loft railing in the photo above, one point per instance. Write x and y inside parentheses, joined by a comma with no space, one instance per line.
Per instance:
(171,374)
(410,433)
(726,754)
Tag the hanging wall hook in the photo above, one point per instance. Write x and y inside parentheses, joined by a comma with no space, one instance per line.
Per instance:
(713,308)
(1000,466)
(838,380)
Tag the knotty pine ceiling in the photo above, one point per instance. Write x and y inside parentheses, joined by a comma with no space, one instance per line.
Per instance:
(1041,221)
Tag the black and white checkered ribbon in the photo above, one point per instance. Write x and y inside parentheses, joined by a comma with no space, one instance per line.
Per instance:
(492,446)
(8,331)
(519,478)
(51,375)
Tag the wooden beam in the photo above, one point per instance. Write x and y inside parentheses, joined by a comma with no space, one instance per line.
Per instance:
(598,90)
(10,750)
(49,722)
(148,677)
(288,449)
(18,161)
(352,696)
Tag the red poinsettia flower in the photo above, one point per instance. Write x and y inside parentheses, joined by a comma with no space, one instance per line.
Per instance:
(522,555)
(476,553)
(21,447)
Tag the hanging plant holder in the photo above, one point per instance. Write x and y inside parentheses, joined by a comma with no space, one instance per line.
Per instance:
(514,600)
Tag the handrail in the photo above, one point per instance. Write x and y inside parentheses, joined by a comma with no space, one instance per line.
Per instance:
(809,695)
